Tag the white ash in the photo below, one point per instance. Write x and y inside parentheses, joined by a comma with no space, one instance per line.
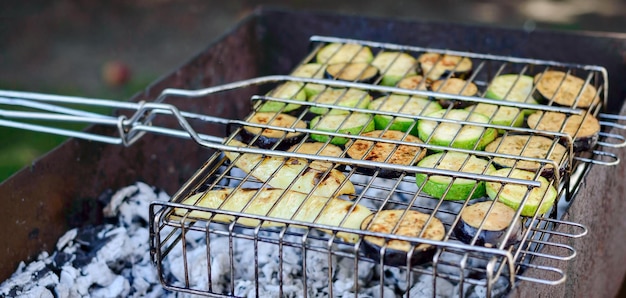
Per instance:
(113,260)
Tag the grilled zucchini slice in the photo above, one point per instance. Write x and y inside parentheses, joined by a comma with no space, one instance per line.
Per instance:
(401,104)
(291,173)
(457,188)
(353,98)
(540,200)
(500,115)
(341,53)
(278,203)
(394,66)
(408,223)
(354,124)
(512,87)
(311,70)
(456,135)
(386,152)
(289,90)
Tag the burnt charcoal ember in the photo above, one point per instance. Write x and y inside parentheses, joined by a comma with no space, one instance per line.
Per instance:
(97,260)
(424,287)
(113,260)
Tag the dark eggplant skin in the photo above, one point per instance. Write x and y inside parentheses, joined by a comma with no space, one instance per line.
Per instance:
(564,89)
(396,253)
(466,231)
(267,138)
(268,142)
(368,73)
(520,140)
(397,258)
(585,128)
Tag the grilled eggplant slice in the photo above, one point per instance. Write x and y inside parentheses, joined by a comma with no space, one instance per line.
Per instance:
(354,72)
(535,146)
(512,87)
(278,203)
(317,148)
(565,89)
(454,86)
(435,66)
(341,53)
(394,66)
(500,115)
(355,123)
(457,188)
(408,223)
(289,90)
(456,135)
(353,98)
(401,104)
(413,82)
(268,137)
(540,200)
(584,129)
(386,152)
(311,70)
(291,173)
(493,230)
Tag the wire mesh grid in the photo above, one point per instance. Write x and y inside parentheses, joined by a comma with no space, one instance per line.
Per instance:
(316,211)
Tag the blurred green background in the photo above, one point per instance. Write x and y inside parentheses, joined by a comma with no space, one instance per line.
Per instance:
(64,46)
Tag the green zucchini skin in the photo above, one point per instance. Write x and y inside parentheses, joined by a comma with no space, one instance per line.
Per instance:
(512,87)
(361,72)
(396,253)
(495,227)
(394,66)
(500,115)
(267,138)
(354,98)
(456,135)
(459,188)
(401,104)
(355,123)
(564,89)
(311,70)
(512,194)
(289,90)
(386,152)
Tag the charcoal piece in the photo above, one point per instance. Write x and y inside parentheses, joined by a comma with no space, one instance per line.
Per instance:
(118,265)
(61,258)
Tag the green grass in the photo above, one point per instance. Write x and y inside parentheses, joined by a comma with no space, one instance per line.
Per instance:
(19,148)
